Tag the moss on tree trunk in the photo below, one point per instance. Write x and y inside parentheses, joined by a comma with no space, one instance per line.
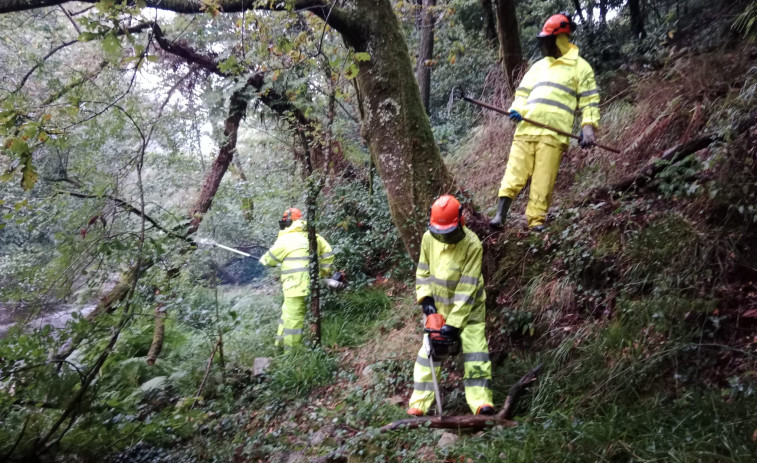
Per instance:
(395,122)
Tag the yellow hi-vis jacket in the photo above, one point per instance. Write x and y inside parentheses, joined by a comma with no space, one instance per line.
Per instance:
(451,274)
(291,251)
(551,92)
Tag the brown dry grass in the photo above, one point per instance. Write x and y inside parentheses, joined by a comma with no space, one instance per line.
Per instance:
(480,162)
(657,110)
(400,343)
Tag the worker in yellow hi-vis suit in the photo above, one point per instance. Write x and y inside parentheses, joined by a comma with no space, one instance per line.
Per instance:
(291,251)
(550,92)
(448,281)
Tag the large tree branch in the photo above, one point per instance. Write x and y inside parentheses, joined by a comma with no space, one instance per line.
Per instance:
(503,418)
(459,422)
(334,17)
(206,62)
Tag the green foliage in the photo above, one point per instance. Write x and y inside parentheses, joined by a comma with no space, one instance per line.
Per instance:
(745,23)
(295,373)
(619,301)
(358,224)
(350,319)
(691,429)
(669,253)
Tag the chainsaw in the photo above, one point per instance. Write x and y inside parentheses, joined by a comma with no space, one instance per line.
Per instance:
(439,346)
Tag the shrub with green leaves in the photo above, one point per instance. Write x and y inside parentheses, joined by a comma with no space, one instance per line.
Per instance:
(357,223)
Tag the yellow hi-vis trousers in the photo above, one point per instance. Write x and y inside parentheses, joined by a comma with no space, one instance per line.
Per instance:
(292,321)
(540,161)
(478,372)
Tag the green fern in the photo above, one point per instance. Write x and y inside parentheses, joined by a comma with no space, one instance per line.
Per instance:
(746,21)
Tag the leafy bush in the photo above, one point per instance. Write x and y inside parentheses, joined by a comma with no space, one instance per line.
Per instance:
(357,223)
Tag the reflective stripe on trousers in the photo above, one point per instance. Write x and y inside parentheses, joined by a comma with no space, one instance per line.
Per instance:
(478,372)
(539,161)
(292,321)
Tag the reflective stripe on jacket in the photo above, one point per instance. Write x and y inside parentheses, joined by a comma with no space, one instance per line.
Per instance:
(553,89)
(451,274)
(291,252)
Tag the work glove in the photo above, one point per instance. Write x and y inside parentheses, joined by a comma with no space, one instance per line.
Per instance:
(336,282)
(428,305)
(515,115)
(587,139)
(450,332)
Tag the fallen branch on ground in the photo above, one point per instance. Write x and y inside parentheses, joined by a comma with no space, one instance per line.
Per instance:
(472,422)
(650,171)
(460,422)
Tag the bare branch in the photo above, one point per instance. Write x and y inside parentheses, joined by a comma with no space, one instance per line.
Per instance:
(128,208)
(34,68)
(68,15)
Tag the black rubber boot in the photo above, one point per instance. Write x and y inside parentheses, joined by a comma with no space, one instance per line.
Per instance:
(503,205)
(485,410)
(538,228)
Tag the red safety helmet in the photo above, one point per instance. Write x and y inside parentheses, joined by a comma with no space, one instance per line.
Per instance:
(292,214)
(558,24)
(446,215)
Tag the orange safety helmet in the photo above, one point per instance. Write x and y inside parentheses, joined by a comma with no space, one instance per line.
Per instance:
(558,24)
(292,214)
(446,215)
(289,216)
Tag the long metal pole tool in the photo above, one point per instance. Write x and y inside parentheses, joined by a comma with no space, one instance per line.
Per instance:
(213,243)
(457,93)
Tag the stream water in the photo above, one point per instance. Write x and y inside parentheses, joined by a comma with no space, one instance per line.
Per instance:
(56,316)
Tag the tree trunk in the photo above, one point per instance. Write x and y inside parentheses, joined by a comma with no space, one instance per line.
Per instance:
(637,19)
(425,51)
(237,109)
(490,25)
(310,212)
(157,336)
(395,124)
(579,10)
(510,50)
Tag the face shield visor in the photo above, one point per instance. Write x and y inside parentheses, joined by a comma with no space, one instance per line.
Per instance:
(452,236)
